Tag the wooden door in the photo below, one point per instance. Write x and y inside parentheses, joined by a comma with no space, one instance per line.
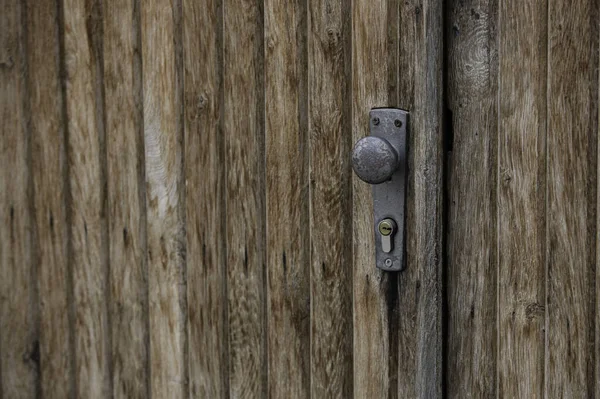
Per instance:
(522,85)
(178,212)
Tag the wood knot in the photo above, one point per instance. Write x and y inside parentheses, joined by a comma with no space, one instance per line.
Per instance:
(534,310)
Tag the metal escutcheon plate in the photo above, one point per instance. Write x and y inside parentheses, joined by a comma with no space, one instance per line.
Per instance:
(389,198)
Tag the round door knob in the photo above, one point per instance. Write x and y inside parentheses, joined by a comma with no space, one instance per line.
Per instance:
(374,159)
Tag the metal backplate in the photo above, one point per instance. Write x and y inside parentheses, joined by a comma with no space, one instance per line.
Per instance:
(389,198)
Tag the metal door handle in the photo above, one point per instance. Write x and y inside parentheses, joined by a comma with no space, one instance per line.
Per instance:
(381,160)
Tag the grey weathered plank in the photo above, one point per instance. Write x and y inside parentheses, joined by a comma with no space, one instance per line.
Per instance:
(87,162)
(50,181)
(521,198)
(571,194)
(205,184)
(288,246)
(374,80)
(18,334)
(420,285)
(163,133)
(128,287)
(245,203)
(472,183)
(330,198)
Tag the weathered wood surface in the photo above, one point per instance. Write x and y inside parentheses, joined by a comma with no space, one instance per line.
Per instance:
(18,331)
(571,231)
(126,200)
(185,207)
(50,191)
(523,227)
(424,229)
(205,190)
(288,245)
(472,219)
(244,221)
(86,158)
(375,292)
(165,201)
(331,360)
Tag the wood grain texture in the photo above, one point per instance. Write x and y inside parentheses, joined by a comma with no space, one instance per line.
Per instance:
(87,162)
(205,210)
(50,182)
(18,334)
(245,196)
(126,200)
(571,194)
(288,246)
(374,72)
(330,198)
(472,257)
(163,134)
(521,198)
(408,27)
(420,285)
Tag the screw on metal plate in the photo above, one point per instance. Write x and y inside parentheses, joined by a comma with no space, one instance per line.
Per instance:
(381,160)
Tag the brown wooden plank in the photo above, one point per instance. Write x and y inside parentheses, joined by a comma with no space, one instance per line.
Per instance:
(409,20)
(205,176)
(288,246)
(126,200)
(374,77)
(50,181)
(571,195)
(164,195)
(245,202)
(420,285)
(86,158)
(18,334)
(330,198)
(472,257)
(521,198)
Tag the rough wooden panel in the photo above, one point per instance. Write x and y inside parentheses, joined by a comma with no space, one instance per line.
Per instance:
(472,258)
(571,194)
(204,177)
(126,200)
(409,20)
(245,202)
(374,70)
(288,256)
(86,159)
(330,198)
(521,198)
(164,196)
(50,181)
(19,348)
(420,285)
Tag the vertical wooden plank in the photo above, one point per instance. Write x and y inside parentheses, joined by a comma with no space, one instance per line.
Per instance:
(472,257)
(245,202)
(571,193)
(374,71)
(126,200)
(164,198)
(521,198)
(330,198)
(597,243)
(424,252)
(420,285)
(288,246)
(50,181)
(18,340)
(205,184)
(409,23)
(86,158)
